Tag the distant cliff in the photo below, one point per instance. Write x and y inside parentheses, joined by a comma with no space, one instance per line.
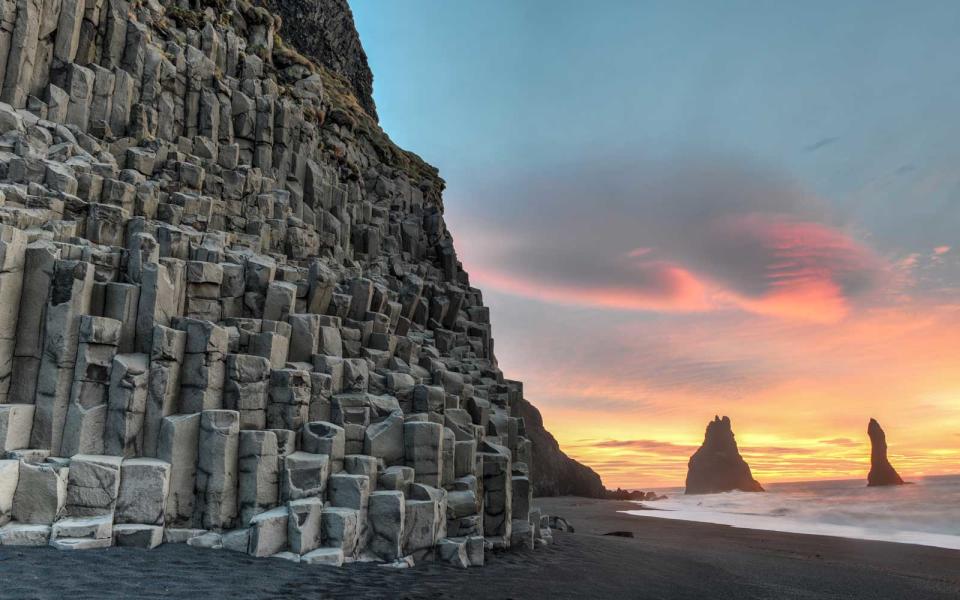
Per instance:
(881,471)
(717,465)
(555,473)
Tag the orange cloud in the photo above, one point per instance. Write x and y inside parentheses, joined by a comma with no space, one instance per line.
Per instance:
(802,270)
(792,326)
(811,270)
(673,289)
(800,406)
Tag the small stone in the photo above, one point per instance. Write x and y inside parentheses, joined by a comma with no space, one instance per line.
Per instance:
(137,536)
(332,557)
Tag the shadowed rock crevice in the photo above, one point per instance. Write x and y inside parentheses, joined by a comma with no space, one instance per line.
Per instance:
(717,465)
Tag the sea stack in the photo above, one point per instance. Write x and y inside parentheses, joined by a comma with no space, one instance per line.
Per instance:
(881,471)
(717,465)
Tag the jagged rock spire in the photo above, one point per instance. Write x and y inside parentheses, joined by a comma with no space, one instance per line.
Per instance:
(717,465)
(881,471)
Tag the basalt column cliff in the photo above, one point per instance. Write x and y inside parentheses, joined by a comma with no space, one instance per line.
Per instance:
(230,311)
(323,31)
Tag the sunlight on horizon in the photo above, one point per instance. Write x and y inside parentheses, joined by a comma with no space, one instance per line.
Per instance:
(752,221)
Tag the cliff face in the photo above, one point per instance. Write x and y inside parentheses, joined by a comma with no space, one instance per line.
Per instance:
(555,473)
(229,301)
(881,471)
(717,465)
(323,30)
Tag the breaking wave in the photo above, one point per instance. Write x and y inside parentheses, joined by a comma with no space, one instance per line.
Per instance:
(925,513)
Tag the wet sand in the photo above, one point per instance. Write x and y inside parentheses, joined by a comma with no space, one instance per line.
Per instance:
(665,559)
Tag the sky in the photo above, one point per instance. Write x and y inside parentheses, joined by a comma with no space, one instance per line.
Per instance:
(681,209)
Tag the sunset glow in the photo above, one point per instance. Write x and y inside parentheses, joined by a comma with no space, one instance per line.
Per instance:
(836,335)
(693,215)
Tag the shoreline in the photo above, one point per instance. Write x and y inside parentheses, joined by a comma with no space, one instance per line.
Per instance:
(922,514)
(791,526)
(665,559)
(588,508)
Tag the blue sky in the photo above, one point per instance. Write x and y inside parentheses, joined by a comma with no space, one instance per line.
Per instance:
(765,181)
(516,85)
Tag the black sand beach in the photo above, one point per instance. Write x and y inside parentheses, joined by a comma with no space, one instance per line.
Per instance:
(666,560)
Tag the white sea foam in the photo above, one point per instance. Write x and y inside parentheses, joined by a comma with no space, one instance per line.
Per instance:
(926,513)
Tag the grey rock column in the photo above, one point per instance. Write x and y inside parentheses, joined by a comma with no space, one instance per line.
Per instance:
(497,493)
(23,51)
(87,412)
(258,466)
(39,260)
(93,485)
(159,303)
(179,445)
(422,443)
(289,403)
(144,486)
(385,519)
(203,371)
(13,247)
(127,405)
(69,299)
(120,302)
(163,387)
(217,469)
(245,389)
(41,495)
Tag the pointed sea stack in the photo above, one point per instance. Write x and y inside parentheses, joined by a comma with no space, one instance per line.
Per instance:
(881,471)
(717,465)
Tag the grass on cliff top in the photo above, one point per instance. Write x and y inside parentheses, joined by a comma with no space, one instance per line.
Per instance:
(339,92)
(340,95)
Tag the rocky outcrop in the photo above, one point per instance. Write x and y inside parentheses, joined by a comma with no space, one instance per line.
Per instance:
(634,495)
(717,465)
(323,31)
(881,471)
(231,313)
(555,473)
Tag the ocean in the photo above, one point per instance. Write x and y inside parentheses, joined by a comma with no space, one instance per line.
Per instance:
(926,512)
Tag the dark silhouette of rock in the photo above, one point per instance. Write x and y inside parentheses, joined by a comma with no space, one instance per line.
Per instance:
(624,534)
(881,471)
(555,473)
(717,465)
(636,495)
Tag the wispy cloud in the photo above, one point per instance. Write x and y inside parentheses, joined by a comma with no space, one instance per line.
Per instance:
(675,238)
(821,143)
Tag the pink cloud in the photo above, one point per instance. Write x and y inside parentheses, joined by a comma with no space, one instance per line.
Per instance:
(795,269)
(810,271)
(638,252)
(666,288)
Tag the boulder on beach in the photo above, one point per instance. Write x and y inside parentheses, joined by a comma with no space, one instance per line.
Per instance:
(717,465)
(881,471)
